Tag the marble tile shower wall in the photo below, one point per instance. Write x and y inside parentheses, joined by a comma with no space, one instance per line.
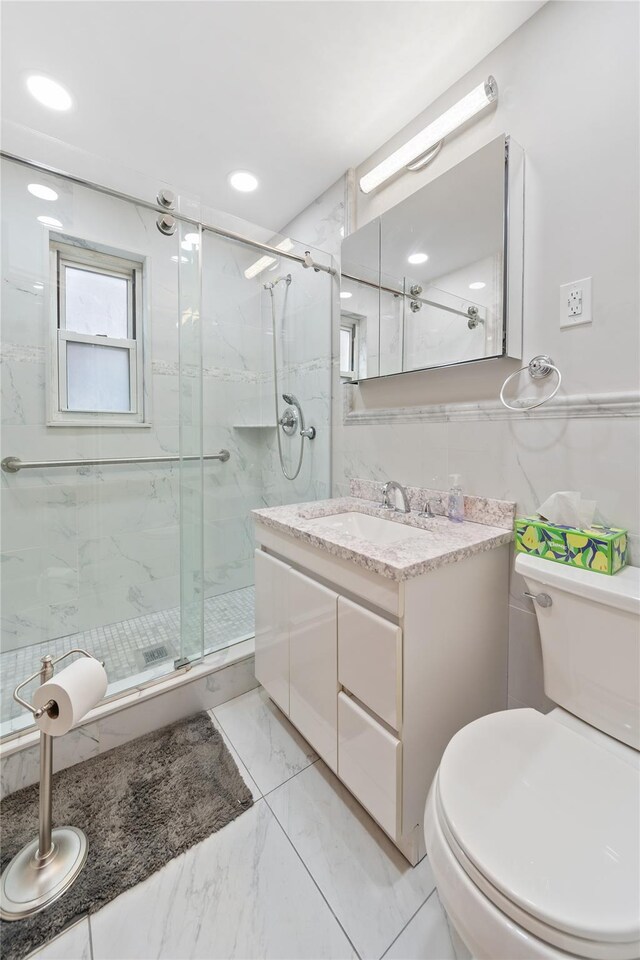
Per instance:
(239,410)
(90,546)
(85,546)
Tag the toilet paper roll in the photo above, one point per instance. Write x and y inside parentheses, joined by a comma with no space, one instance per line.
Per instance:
(76,690)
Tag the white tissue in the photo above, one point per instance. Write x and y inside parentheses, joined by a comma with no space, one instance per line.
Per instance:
(568,507)
(76,690)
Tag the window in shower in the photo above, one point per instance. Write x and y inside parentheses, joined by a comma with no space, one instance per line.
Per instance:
(97,350)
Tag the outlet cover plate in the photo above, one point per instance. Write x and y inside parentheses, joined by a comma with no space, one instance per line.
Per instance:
(575,303)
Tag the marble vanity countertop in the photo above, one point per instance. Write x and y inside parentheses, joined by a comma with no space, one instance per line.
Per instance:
(448,542)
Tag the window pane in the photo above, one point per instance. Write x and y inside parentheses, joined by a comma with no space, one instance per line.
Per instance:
(345,350)
(96,303)
(97,377)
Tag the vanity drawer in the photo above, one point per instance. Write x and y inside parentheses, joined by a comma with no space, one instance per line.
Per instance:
(370,660)
(369,763)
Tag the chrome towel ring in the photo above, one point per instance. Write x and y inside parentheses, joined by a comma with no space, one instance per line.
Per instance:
(539,368)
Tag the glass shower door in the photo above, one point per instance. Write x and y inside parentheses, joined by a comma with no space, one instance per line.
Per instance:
(241,411)
(101,393)
(191,449)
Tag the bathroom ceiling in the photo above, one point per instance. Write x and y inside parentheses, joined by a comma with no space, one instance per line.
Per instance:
(295,92)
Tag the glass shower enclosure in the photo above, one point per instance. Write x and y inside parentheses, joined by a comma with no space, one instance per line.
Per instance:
(140,423)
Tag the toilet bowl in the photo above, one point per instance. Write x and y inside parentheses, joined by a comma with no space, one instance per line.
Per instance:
(532,823)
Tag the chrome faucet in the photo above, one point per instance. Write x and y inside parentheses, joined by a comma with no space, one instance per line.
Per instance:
(397,488)
(427,510)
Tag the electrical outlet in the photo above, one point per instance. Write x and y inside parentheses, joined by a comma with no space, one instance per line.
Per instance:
(575,303)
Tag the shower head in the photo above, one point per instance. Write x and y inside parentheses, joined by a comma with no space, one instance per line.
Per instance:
(289,398)
(270,284)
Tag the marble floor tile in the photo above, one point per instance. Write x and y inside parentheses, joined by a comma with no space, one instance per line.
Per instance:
(246,776)
(74,943)
(241,893)
(368,884)
(268,745)
(426,936)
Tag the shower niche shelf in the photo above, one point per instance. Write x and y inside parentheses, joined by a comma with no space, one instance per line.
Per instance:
(254,426)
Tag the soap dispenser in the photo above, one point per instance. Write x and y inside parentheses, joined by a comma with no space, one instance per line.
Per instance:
(456,499)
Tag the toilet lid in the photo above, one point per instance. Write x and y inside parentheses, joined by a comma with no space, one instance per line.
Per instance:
(550,819)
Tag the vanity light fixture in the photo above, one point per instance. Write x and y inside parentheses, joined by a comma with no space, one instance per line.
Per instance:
(416,258)
(49,92)
(243,181)
(264,262)
(428,139)
(477,285)
(41,192)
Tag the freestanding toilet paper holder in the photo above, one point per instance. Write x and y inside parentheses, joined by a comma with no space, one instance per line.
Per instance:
(45,868)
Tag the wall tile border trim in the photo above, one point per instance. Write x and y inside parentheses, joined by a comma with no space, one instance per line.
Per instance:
(579,405)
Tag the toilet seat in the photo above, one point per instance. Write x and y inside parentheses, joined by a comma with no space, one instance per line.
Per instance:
(544,822)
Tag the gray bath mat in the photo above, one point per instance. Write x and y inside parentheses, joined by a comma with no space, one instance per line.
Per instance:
(140,805)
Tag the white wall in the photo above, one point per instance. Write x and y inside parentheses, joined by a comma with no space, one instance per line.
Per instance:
(568,81)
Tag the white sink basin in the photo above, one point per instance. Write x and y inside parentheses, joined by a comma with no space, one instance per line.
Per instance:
(373,529)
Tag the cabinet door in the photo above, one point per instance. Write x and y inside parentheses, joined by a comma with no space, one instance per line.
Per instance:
(272,627)
(370,660)
(314,664)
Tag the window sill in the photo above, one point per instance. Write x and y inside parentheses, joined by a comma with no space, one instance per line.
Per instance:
(100,423)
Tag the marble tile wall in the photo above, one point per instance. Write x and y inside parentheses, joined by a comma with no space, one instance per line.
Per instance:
(84,547)
(240,412)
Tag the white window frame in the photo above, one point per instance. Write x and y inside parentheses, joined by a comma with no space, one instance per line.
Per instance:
(79,255)
(351,323)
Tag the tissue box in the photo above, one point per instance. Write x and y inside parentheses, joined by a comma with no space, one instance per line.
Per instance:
(602,549)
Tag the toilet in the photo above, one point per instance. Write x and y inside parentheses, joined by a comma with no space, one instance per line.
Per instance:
(532,823)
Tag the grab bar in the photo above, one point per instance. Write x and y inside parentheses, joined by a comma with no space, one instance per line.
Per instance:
(14,464)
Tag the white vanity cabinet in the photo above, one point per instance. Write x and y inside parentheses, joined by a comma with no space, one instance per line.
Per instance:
(313,664)
(378,674)
(297,650)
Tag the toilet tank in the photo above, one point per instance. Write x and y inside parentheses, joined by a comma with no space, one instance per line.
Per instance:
(590,637)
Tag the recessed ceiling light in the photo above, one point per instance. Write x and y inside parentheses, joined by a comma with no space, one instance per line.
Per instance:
(38,286)
(243,181)
(418,258)
(477,285)
(344,294)
(41,192)
(49,93)
(49,221)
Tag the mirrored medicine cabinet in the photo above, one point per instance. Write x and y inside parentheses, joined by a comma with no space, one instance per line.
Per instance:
(436,281)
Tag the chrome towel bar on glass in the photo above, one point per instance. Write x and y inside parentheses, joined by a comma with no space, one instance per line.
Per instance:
(539,368)
(14,464)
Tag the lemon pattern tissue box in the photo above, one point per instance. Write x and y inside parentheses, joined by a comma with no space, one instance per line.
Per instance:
(602,549)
